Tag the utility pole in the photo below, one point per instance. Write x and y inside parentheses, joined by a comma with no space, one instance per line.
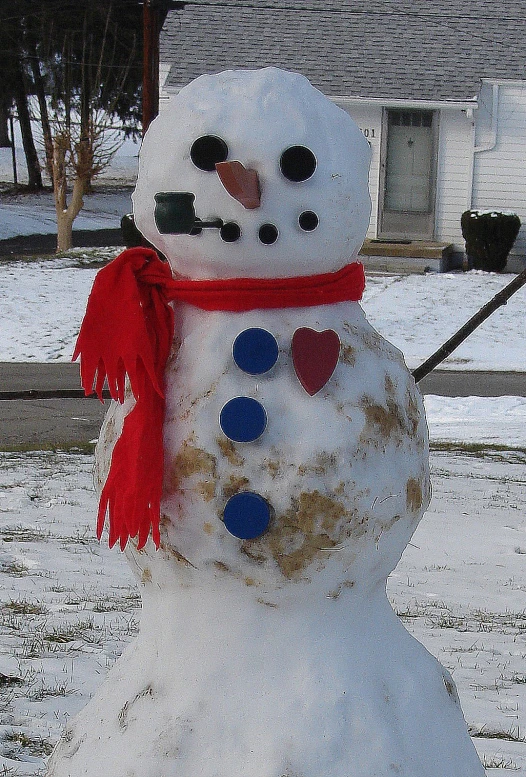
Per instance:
(154,14)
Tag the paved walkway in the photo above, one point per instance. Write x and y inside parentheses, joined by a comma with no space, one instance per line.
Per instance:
(42,405)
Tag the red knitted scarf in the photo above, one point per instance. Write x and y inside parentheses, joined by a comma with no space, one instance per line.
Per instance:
(128,330)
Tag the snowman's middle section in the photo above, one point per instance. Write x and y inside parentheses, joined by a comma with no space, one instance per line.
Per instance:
(294,444)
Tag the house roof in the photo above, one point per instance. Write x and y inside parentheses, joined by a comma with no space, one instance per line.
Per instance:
(435,50)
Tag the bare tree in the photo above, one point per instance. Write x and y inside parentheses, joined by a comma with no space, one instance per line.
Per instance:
(85,72)
(81,151)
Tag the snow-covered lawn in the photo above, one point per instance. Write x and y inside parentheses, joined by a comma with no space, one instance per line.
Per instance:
(68,606)
(34,214)
(43,302)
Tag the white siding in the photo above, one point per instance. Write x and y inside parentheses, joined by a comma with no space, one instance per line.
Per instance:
(369,119)
(453,179)
(454,167)
(499,179)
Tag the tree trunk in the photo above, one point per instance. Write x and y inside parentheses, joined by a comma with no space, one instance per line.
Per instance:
(5,140)
(24,118)
(65,218)
(44,116)
(66,214)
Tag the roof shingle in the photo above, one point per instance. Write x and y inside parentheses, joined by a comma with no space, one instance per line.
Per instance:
(419,50)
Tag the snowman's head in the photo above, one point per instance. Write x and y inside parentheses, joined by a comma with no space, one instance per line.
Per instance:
(279,171)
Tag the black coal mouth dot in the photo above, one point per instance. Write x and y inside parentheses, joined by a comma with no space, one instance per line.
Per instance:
(268,234)
(308,220)
(230,232)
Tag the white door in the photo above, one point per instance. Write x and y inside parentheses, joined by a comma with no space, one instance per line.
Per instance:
(408,166)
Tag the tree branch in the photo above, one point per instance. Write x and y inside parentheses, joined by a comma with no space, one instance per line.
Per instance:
(450,345)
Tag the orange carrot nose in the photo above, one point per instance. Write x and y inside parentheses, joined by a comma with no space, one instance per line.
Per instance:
(240,183)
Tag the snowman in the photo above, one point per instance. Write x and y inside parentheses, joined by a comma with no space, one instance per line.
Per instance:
(265,465)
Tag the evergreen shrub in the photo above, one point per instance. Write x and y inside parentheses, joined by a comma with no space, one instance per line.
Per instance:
(489,237)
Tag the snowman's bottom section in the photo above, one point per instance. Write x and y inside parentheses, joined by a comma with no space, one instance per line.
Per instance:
(219,684)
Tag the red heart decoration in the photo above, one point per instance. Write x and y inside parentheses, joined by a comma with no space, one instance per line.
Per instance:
(315,356)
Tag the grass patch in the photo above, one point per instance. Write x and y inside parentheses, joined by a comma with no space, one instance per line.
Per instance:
(478,449)
(24,607)
(439,615)
(60,589)
(44,692)
(515,679)
(513,735)
(23,534)
(131,628)
(35,746)
(87,537)
(8,681)
(499,763)
(14,568)
(89,255)
(72,632)
(448,621)
(120,604)
(32,647)
(83,448)
(8,771)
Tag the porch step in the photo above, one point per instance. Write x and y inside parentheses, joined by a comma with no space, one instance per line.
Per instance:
(410,249)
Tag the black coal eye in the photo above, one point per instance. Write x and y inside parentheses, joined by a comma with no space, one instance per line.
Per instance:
(207,151)
(297,163)
(308,220)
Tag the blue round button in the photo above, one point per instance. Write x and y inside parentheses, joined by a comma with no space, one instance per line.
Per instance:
(247,515)
(243,419)
(255,351)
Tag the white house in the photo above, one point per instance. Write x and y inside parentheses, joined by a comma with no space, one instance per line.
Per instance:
(437,86)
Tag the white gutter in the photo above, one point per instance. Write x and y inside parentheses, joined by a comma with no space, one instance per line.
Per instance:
(471,168)
(409,104)
(492,142)
(386,102)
